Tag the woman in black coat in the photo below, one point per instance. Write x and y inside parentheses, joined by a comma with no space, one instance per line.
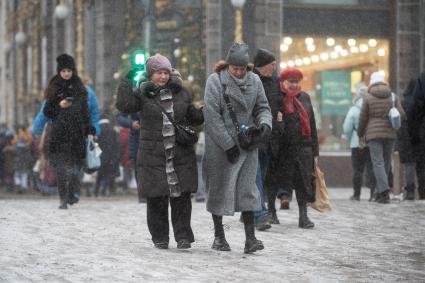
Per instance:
(294,146)
(166,170)
(66,106)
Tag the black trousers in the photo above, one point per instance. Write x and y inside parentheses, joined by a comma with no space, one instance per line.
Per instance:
(157,215)
(360,160)
(68,175)
(420,174)
(296,172)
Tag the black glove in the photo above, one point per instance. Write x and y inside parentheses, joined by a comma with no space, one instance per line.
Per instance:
(149,89)
(233,154)
(265,132)
(131,74)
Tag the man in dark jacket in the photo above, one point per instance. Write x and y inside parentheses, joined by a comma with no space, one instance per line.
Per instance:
(265,68)
(416,127)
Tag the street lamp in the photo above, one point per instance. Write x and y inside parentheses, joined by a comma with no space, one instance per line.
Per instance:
(20,38)
(61,11)
(238,5)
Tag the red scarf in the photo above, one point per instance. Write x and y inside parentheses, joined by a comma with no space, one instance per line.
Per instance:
(290,102)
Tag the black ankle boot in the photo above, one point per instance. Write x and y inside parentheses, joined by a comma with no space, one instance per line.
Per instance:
(410,192)
(220,243)
(304,221)
(63,205)
(383,197)
(273,217)
(251,243)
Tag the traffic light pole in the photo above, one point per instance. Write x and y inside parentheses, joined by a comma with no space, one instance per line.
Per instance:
(148,26)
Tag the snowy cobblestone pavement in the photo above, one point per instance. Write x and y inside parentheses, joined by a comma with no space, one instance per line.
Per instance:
(106,240)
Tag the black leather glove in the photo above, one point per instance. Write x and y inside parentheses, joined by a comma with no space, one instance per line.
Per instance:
(233,154)
(265,132)
(131,74)
(149,89)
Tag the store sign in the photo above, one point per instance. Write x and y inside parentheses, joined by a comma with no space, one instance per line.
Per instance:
(336,92)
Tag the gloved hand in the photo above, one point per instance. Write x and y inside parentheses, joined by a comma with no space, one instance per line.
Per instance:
(131,74)
(149,89)
(175,82)
(233,154)
(265,132)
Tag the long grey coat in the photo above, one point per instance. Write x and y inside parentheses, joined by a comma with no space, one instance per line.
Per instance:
(231,187)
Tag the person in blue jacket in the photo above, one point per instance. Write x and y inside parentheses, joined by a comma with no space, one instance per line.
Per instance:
(360,157)
(132,122)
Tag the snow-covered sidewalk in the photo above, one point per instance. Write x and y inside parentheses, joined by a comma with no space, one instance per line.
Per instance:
(106,240)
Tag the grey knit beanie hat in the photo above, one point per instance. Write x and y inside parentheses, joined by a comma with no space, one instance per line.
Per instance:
(238,54)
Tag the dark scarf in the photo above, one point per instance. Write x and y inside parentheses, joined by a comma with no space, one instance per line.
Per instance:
(290,102)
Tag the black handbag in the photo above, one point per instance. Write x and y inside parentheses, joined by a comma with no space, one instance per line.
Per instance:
(185,135)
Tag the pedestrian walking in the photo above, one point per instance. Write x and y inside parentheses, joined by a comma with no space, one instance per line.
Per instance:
(165,169)
(131,122)
(109,166)
(23,159)
(66,105)
(406,150)
(294,145)
(235,107)
(360,157)
(376,129)
(416,129)
(9,156)
(265,67)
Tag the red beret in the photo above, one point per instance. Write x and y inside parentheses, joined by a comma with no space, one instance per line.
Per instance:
(291,74)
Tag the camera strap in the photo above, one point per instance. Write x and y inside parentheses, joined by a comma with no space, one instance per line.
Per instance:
(229,106)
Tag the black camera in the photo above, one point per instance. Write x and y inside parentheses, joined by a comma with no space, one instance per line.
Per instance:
(248,137)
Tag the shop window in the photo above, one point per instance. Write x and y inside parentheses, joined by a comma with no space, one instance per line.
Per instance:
(334,70)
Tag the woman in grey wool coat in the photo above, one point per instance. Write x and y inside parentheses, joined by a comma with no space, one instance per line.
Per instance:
(229,171)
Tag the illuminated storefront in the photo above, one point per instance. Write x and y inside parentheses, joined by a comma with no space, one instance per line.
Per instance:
(334,68)
(337,45)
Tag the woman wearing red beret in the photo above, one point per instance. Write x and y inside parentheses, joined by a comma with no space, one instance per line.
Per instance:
(294,145)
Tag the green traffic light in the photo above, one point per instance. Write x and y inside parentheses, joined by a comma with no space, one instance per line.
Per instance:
(140,59)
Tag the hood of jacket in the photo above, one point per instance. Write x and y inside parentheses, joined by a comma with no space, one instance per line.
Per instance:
(358,102)
(380,90)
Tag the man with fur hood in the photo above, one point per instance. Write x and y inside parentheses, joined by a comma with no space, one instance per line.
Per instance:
(230,170)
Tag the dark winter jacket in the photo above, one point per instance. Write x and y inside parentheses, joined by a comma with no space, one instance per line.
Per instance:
(416,113)
(271,89)
(374,122)
(151,159)
(281,130)
(403,144)
(289,146)
(110,146)
(70,126)
(133,138)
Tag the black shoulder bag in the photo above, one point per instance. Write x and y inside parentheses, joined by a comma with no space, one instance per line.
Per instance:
(185,135)
(247,135)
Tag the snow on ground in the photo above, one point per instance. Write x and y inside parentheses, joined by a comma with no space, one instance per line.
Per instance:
(106,240)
